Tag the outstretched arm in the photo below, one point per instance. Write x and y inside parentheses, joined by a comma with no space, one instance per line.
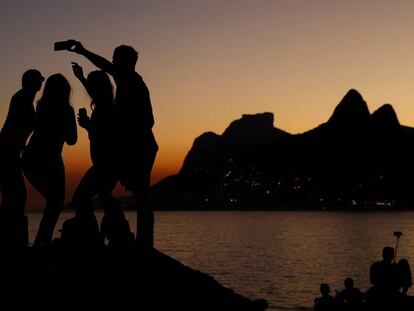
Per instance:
(95,59)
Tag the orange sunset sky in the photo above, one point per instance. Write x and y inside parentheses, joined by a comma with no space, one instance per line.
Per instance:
(206,62)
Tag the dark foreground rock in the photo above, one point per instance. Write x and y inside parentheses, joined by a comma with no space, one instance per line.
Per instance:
(123,279)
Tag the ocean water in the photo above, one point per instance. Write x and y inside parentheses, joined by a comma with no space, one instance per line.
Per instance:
(279,256)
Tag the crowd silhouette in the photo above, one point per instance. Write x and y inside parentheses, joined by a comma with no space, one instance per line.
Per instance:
(90,265)
(390,283)
(122,149)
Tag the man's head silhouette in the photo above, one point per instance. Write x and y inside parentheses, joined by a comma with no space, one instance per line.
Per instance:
(388,254)
(125,58)
(32,80)
(349,283)
(325,290)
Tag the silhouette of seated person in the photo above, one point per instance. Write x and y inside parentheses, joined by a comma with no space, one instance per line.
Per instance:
(384,273)
(350,298)
(19,125)
(326,302)
(100,179)
(137,147)
(404,275)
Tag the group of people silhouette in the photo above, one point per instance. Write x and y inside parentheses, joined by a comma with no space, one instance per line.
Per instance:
(390,283)
(122,149)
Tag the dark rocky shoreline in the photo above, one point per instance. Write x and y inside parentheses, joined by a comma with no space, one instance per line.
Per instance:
(129,278)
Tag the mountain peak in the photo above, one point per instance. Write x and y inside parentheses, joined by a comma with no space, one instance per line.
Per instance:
(206,139)
(353,94)
(251,124)
(385,117)
(351,110)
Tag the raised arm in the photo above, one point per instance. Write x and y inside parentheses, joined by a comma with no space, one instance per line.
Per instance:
(95,59)
(78,72)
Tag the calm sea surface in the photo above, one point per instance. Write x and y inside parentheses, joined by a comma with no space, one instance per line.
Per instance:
(280,256)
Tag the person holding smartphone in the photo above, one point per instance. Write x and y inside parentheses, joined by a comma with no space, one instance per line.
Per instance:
(101,178)
(136,144)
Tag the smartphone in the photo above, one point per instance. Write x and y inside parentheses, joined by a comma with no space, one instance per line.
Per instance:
(63,45)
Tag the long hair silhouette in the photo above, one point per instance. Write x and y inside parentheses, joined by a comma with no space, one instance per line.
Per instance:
(100,178)
(56,94)
(100,88)
(42,159)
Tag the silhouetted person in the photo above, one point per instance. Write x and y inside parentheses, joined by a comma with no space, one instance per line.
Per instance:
(326,302)
(42,158)
(136,143)
(384,294)
(404,275)
(16,130)
(384,274)
(350,298)
(101,178)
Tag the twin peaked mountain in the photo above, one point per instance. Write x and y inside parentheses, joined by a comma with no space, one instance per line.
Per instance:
(354,160)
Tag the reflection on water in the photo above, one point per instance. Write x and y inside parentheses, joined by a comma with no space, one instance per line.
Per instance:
(280,256)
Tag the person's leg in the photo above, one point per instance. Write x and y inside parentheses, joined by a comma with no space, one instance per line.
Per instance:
(86,189)
(51,213)
(85,228)
(115,227)
(52,186)
(106,183)
(14,192)
(145,217)
(140,187)
(134,172)
(13,222)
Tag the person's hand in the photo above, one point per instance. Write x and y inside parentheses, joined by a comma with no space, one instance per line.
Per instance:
(83,121)
(77,71)
(76,47)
